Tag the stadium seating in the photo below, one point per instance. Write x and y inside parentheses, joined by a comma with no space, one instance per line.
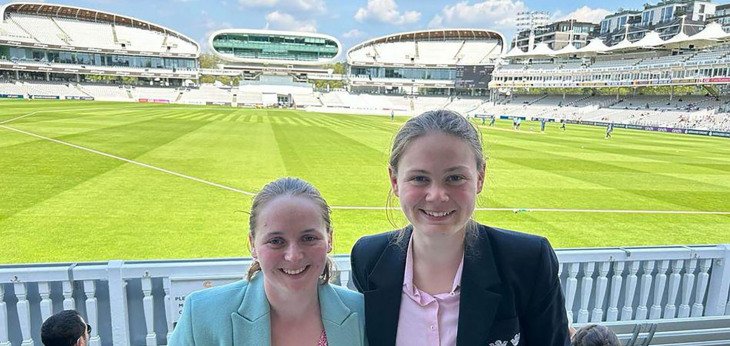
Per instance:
(43,29)
(306,100)
(156,93)
(106,92)
(206,93)
(250,98)
(12,88)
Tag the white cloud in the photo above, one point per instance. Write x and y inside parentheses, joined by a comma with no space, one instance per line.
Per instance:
(491,14)
(258,3)
(353,33)
(308,5)
(586,14)
(316,6)
(283,21)
(386,11)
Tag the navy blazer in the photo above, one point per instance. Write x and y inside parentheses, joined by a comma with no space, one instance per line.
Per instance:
(510,289)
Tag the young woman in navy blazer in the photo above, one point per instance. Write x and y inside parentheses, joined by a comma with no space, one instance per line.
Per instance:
(506,283)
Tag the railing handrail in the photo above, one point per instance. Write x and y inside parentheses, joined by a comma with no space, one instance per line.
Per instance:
(616,285)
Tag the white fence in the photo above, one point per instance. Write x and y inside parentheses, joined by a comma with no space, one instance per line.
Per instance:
(137,302)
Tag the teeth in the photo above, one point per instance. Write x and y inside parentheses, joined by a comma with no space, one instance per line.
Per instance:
(293,271)
(437,214)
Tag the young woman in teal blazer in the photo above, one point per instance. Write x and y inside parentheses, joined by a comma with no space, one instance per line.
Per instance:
(286,299)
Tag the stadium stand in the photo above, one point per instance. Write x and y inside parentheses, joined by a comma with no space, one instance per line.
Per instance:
(430,62)
(106,92)
(206,93)
(162,94)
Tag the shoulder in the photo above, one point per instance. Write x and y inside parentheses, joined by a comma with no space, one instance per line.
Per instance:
(216,298)
(517,251)
(349,297)
(512,241)
(369,249)
(375,242)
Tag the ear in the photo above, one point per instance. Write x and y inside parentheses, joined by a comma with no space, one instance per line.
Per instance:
(393,181)
(330,238)
(251,246)
(480,177)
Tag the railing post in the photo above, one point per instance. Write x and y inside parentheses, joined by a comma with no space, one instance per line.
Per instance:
(4,340)
(68,299)
(698,307)
(616,281)
(23,306)
(585,291)
(92,311)
(719,285)
(44,289)
(118,303)
(166,283)
(149,314)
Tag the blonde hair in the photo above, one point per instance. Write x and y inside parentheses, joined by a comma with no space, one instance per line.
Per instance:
(293,187)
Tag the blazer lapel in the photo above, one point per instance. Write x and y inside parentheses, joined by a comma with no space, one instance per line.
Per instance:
(480,292)
(340,323)
(251,324)
(382,304)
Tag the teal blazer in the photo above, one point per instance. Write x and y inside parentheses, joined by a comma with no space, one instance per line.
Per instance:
(238,314)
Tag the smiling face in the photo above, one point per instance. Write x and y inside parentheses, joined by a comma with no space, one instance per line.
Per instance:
(437,182)
(291,244)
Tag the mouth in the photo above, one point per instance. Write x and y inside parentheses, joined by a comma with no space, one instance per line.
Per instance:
(437,214)
(294,272)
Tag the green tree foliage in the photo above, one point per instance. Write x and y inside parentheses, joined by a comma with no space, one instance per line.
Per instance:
(209,60)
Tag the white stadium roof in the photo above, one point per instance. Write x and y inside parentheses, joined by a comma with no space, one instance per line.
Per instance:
(443,47)
(711,34)
(59,26)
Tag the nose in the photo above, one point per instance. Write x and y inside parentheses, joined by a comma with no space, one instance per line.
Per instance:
(437,193)
(293,253)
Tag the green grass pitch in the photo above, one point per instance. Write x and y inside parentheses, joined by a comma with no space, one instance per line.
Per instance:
(82,181)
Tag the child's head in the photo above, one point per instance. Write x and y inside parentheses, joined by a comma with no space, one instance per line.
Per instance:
(595,335)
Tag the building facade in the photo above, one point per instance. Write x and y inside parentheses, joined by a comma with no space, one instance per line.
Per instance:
(557,35)
(528,20)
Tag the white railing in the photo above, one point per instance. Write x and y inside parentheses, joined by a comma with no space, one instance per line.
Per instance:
(138,302)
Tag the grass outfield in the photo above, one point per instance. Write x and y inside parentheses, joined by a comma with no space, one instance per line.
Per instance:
(74,185)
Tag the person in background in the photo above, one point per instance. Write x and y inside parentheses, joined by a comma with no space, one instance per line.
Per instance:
(595,335)
(445,279)
(66,328)
(286,299)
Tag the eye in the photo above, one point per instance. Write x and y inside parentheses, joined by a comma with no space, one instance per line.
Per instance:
(455,179)
(419,180)
(276,242)
(310,238)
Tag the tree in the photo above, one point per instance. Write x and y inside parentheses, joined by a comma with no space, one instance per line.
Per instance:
(209,60)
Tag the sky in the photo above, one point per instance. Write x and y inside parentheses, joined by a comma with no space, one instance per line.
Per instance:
(351,22)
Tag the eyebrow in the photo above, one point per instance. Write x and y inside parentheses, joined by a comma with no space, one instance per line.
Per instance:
(310,230)
(448,170)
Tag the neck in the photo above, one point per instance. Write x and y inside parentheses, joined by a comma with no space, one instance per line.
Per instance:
(438,251)
(292,306)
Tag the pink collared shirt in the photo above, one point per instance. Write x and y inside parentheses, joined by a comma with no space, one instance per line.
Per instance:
(424,319)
